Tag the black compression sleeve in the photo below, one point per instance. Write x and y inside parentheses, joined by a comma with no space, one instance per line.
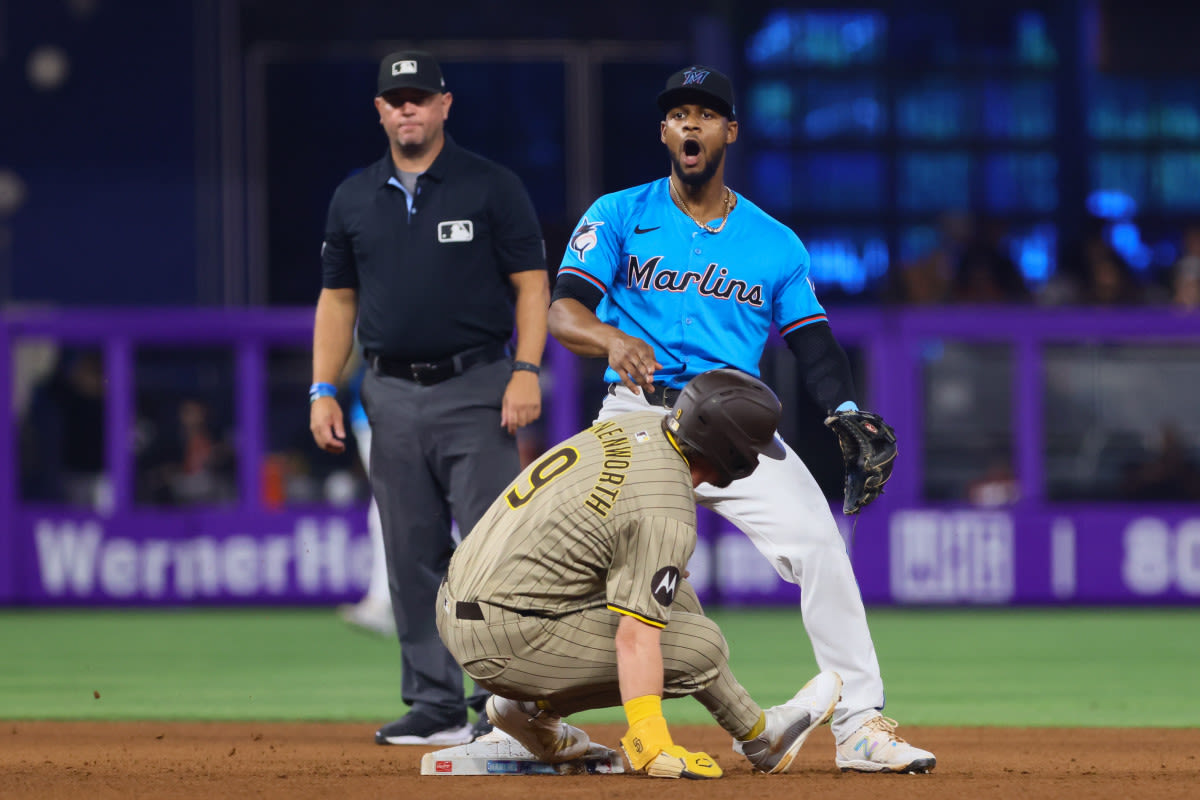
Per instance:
(577,288)
(823,365)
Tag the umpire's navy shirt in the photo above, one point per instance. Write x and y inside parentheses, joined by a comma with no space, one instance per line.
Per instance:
(434,281)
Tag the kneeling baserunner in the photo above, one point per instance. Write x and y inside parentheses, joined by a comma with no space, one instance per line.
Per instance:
(571,592)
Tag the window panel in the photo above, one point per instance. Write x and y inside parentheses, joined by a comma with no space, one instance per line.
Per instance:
(1122,172)
(59,411)
(1179,111)
(1120,110)
(918,241)
(1176,180)
(970,37)
(936,109)
(1019,110)
(1021,182)
(843,108)
(849,260)
(1033,43)
(816,109)
(772,177)
(187,455)
(934,181)
(828,38)
(770,109)
(1142,109)
(295,472)
(968,435)
(1117,412)
(839,182)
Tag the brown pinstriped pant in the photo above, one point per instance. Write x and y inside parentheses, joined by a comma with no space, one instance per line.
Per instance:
(571,661)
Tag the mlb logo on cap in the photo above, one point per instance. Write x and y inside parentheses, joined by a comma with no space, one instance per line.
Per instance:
(410,69)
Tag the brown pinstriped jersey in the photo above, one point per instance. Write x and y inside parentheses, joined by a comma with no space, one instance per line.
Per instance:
(607,517)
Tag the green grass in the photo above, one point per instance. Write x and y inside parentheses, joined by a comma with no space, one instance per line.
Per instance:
(1040,667)
(1077,667)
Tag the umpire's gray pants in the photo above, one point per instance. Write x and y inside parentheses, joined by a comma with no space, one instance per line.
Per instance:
(438,453)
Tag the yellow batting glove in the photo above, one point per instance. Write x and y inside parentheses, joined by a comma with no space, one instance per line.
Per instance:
(644,740)
(648,746)
(676,762)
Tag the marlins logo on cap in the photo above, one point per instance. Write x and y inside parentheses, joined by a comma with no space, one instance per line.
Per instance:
(699,84)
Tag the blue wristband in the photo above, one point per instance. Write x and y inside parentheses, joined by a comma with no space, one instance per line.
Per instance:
(321,390)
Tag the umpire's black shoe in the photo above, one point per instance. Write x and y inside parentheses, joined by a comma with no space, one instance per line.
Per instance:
(482,727)
(416,728)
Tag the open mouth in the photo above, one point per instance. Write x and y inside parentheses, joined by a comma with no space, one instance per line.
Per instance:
(691,152)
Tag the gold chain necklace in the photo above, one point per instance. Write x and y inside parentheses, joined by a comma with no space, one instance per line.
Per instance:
(683,205)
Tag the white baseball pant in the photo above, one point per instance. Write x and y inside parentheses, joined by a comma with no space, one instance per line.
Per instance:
(784,513)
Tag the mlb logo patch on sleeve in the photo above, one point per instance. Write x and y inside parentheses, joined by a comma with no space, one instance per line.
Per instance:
(456,230)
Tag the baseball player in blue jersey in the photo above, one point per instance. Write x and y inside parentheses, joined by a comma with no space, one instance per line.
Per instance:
(682,275)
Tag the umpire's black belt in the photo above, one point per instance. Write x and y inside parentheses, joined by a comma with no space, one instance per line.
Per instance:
(662,395)
(427,373)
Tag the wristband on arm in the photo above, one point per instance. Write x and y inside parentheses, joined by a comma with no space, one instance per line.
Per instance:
(321,390)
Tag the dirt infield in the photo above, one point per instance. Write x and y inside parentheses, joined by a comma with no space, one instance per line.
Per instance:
(274,760)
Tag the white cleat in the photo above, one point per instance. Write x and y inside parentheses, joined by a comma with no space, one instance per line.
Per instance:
(875,747)
(788,725)
(370,616)
(542,733)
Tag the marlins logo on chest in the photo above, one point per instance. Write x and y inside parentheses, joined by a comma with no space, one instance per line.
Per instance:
(713,282)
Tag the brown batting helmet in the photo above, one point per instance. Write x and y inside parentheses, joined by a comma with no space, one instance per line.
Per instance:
(729,418)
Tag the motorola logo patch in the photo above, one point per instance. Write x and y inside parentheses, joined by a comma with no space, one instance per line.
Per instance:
(663,585)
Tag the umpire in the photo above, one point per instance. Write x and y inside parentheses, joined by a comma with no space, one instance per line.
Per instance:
(435,251)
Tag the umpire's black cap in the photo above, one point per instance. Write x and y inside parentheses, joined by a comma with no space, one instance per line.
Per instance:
(410,69)
(699,84)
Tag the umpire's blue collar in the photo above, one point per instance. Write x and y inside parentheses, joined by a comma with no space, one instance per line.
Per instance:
(386,168)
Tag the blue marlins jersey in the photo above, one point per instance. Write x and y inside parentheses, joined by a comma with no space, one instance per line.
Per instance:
(701,300)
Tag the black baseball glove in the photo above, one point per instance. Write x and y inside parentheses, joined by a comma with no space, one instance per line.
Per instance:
(868,452)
